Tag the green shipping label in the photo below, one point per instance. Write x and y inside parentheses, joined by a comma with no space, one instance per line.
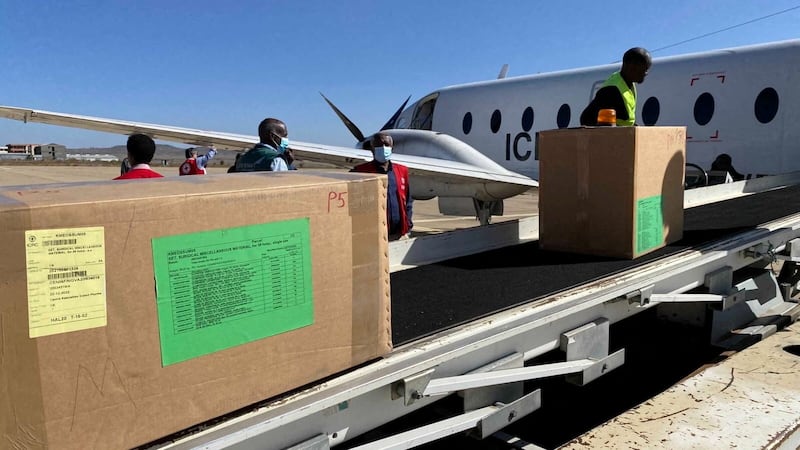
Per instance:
(649,223)
(223,288)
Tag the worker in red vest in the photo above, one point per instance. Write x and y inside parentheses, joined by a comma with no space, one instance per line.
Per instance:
(196,165)
(141,149)
(398,198)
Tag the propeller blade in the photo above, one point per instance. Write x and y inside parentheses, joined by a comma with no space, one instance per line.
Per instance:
(390,123)
(347,122)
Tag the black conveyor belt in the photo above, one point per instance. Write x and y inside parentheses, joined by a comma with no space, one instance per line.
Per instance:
(439,296)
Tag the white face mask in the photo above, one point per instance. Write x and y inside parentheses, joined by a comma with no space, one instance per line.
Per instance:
(383,154)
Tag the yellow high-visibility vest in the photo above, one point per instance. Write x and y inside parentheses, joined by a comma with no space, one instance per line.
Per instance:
(628,96)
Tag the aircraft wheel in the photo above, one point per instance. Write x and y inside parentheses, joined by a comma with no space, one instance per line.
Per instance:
(695,176)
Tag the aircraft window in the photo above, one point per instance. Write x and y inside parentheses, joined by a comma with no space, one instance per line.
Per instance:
(527,119)
(563,117)
(651,111)
(497,118)
(423,116)
(704,108)
(766,106)
(466,124)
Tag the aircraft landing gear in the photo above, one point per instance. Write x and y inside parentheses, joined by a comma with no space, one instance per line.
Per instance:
(485,210)
(695,177)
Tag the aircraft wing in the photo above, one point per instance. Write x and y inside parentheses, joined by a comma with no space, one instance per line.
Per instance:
(340,156)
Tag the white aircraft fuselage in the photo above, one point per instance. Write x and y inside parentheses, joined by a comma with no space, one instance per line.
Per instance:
(743,101)
(473,145)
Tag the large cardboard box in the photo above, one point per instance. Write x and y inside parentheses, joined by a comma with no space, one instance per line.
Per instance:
(134,309)
(611,191)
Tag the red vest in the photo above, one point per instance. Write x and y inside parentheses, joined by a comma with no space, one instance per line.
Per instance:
(189,167)
(139,173)
(401,177)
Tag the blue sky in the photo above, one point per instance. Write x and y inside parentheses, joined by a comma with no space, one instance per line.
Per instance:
(224,66)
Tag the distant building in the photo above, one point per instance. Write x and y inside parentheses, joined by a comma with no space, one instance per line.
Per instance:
(33,151)
(21,148)
(51,151)
(21,151)
(92,157)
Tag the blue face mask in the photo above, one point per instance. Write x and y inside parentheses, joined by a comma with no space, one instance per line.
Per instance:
(283,145)
(383,154)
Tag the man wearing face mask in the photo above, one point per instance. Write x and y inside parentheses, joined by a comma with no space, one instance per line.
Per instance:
(398,198)
(271,154)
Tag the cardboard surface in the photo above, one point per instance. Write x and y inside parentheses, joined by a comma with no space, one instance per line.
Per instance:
(106,385)
(611,191)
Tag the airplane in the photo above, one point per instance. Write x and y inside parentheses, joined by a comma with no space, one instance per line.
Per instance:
(474,145)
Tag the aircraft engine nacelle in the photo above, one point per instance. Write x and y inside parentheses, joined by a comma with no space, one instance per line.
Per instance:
(455,154)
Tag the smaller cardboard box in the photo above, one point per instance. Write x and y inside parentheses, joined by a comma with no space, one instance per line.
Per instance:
(611,191)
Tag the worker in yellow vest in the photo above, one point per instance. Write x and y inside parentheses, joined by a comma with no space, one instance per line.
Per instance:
(619,90)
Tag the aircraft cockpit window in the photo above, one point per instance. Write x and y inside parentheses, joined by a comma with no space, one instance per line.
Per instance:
(650,111)
(527,119)
(466,124)
(766,106)
(704,108)
(423,116)
(564,116)
(497,119)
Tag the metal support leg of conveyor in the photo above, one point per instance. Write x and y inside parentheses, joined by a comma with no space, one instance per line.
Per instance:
(719,286)
(791,251)
(410,388)
(751,306)
(503,393)
(493,393)
(789,277)
(485,421)
(763,312)
(587,358)
(741,307)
